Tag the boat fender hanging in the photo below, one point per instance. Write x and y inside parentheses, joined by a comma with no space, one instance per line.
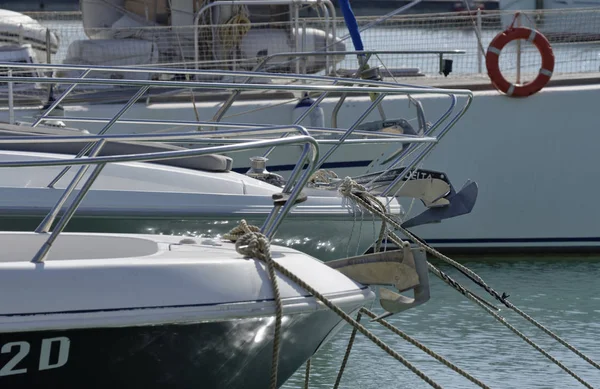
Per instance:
(316,118)
(493,66)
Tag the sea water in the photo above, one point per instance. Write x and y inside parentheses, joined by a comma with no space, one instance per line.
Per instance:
(562,293)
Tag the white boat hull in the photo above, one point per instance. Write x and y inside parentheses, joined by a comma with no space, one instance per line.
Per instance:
(130,310)
(150,198)
(534,162)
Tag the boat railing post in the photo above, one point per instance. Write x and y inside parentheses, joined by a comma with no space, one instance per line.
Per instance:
(48,47)
(196,54)
(235,94)
(303,58)
(351,129)
(46,224)
(338,106)
(428,148)
(295,184)
(106,127)
(43,252)
(60,226)
(56,102)
(336,110)
(333,17)
(327,40)
(518,81)
(11,102)
(296,33)
(478,50)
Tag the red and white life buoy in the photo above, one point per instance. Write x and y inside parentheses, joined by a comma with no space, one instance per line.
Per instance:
(493,67)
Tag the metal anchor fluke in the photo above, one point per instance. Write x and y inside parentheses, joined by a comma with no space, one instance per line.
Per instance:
(405,269)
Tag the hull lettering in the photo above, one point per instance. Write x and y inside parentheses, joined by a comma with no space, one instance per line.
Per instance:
(54,353)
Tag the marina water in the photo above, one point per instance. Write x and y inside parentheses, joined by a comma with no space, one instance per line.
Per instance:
(561,293)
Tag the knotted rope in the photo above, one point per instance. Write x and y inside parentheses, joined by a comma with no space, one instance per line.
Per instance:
(253,243)
(249,242)
(233,31)
(322,176)
(350,188)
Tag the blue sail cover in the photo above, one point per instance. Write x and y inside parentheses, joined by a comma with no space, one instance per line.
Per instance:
(352,25)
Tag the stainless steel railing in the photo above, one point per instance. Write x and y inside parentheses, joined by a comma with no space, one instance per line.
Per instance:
(292,189)
(326,86)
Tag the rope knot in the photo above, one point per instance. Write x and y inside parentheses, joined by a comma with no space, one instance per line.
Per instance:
(349,187)
(322,176)
(249,241)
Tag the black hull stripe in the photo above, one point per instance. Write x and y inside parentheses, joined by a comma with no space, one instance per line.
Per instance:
(508,246)
(132,308)
(144,308)
(329,165)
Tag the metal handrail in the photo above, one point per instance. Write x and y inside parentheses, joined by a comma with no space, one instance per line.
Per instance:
(428,149)
(59,100)
(231,99)
(381,89)
(107,127)
(297,181)
(408,88)
(258,129)
(366,86)
(215,85)
(237,91)
(439,53)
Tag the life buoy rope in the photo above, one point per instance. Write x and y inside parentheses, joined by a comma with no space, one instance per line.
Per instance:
(493,64)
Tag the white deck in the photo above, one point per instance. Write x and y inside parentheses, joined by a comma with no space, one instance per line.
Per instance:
(102,276)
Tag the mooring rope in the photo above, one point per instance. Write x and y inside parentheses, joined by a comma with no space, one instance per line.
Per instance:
(373,338)
(346,188)
(251,243)
(322,176)
(256,245)
(347,353)
(404,336)
(307,374)
(445,277)
(359,194)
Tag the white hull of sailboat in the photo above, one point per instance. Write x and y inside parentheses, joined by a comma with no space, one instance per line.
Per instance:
(528,156)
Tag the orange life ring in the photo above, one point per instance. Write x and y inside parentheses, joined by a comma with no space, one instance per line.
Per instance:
(493,55)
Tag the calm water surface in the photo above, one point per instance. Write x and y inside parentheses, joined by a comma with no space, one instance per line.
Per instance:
(563,294)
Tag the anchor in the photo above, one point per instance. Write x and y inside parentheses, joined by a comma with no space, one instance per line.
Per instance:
(459,203)
(429,186)
(405,269)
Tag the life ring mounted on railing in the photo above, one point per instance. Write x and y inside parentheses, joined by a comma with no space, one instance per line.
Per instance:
(492,62)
